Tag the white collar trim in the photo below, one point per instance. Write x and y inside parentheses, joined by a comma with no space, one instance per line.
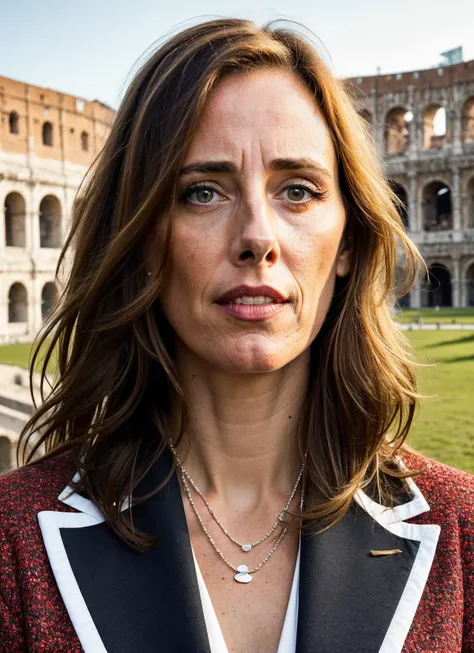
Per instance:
(392,519)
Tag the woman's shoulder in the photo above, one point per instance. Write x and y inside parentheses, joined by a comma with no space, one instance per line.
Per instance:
(30,489)
(448,491)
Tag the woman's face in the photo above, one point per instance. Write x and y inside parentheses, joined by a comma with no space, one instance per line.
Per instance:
(260,205)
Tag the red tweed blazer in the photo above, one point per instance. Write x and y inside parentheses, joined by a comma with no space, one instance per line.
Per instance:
(67,584)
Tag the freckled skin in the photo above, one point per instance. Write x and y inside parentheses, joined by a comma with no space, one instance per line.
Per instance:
(250,228)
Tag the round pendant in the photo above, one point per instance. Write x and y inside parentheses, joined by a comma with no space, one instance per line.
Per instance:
(246,547)
(242,575)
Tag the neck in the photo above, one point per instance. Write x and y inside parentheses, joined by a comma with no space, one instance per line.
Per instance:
(241,443)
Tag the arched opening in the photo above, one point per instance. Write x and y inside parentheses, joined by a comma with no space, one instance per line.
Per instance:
(434,127)
(470,204)
(49,296)
(470,285)
(17,303)
(15,213)
(85,142)
(468,121)
(50,222)
(437,207)
(437,287)
(396,132)
(14,122)
(401,193)
(5,454)
(48,134)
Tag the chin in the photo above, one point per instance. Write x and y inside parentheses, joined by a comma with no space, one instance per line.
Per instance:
(254,367)
(253,360)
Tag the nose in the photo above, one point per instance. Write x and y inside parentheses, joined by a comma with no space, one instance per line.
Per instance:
(254,240)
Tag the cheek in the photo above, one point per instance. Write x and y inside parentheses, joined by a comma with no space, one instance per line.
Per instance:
(314,252)
(191,267)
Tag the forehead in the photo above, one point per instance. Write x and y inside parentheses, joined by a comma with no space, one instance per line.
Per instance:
(262,114)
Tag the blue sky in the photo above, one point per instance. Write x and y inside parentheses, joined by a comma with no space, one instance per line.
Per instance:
(91,47)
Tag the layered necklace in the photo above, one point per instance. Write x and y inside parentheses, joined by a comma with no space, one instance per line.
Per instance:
(243,573)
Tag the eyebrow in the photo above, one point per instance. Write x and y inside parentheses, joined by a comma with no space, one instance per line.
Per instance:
(276,164)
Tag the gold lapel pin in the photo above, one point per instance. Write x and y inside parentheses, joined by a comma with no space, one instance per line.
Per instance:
(385,552)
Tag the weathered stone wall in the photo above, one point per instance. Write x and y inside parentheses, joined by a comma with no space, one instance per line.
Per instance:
(402,110)
(47,142)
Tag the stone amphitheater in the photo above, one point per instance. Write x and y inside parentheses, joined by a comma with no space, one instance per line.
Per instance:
(423,124)
(421,121)
(48,140)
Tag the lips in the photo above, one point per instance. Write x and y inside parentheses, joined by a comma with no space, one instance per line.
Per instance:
(252,291)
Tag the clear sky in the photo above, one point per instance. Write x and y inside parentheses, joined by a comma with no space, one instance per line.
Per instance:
(89,48)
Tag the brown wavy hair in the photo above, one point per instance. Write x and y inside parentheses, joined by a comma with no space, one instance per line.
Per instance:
(115,371)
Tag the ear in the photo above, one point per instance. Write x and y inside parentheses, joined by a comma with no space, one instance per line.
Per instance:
(344,258)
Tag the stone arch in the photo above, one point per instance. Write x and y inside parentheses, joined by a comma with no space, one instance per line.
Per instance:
(17,303)
(49,297)
(50,222)
(401,192)
(15,220)
(396,133)
(5,454)
(468,121)
(470,204)
(437,206)
(437,288)
(14,122)
(435,132)
(469,281)
(84,141)
(47,134)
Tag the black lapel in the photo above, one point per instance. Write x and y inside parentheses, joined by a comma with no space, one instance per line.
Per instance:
(347,598)
(142,602)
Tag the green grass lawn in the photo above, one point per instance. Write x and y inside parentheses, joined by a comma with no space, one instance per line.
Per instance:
(444,315)
(18,355)
(444,425)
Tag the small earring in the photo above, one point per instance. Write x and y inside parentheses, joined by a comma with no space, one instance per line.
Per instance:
(148,274)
